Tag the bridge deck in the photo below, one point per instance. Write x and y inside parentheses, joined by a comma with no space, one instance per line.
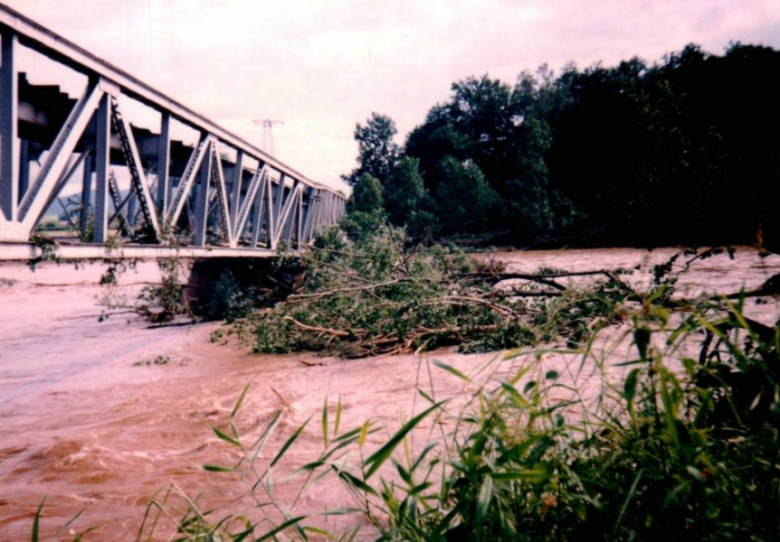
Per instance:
(30,251)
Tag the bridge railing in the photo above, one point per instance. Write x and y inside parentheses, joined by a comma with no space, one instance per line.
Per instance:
(222,193)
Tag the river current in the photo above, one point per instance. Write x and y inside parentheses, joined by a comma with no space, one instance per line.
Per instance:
(100,413)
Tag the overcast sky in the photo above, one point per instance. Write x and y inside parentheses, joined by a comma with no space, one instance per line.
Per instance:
(323,65)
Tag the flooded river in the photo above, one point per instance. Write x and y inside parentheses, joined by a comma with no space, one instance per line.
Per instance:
(100,415)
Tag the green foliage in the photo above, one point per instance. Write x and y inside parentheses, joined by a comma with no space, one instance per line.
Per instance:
(162,302)
(506,134)
(257,473)
(464,198)
(365,212)
(664,455)
(377,152)
(671,140)
(36,526)
(48,251)
(634,153)
(407,201)
(157,360)
(366,196)
(228,301)
(378,293)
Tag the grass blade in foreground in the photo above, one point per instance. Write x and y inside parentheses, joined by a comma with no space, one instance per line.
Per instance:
(380,456)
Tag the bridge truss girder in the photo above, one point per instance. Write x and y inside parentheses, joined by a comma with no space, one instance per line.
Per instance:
(216,202)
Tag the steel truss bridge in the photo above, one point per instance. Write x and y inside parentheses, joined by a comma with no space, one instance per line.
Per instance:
(219,197)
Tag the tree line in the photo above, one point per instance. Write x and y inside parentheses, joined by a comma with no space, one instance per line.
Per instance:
(683,151)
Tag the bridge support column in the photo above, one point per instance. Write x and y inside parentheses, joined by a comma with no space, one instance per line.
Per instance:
(86,196)
(102,165)
(202,200)
(163,161)
(24,167)
(235,187)
(9,113)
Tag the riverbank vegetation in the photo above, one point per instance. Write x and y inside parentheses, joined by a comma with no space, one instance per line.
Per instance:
(680,152)
(677,440)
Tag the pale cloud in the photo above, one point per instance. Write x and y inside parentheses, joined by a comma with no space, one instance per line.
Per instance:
(323,65)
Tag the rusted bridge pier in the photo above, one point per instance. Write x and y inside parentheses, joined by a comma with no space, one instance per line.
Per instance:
(123,185)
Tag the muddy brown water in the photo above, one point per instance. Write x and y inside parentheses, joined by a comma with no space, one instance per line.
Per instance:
(89,421)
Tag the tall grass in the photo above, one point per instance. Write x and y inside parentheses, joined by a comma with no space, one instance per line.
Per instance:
(682,445)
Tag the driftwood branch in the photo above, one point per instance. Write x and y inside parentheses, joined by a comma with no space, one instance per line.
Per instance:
(324,330)
(296,297)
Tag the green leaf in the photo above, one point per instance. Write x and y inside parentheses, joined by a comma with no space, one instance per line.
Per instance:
(289,442)
(240,400)
(71,520)
(280,528)
(363,434)
(243,534)
(339,512)
(225,437)
(425,396)
(381,455)
(325,422)
(349,435)
(422,455)
(628,363)
(263,438)
(483,501)
(452,370)
(338,418)
(551,375)
(629,388)
(510,389)
(628,499)
(516,451)
(36,521)
(532,476)
(521,373)
(357,482)
(405,476)
(217,468)
(642,341)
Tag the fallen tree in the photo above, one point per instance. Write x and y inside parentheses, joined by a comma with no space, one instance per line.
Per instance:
(379,295)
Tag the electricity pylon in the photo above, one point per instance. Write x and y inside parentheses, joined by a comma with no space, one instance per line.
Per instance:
(268,135)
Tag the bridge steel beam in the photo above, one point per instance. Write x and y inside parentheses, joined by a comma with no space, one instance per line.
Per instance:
(9,114)
(11,251)
(163,164)
(280,201)
(102,165)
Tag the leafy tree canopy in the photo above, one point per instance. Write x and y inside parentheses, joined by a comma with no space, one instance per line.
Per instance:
(377,152)
(683,151)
